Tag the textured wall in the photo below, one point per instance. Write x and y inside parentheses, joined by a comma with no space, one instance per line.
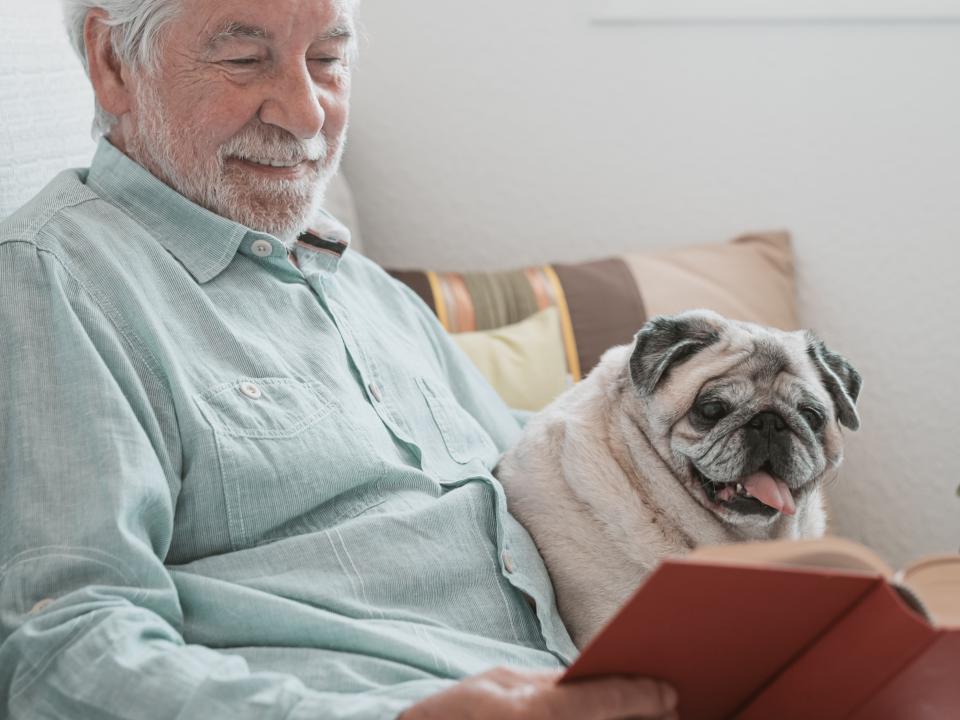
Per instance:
(46,104)
(493,134)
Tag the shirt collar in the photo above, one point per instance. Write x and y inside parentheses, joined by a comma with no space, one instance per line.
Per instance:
(323,245)
(204,242)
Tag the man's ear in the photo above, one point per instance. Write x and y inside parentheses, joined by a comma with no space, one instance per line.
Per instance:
(667,341)
(839,378)
(108,74)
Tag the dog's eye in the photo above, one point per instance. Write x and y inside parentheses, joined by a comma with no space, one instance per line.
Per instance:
(713,410)
(812,418)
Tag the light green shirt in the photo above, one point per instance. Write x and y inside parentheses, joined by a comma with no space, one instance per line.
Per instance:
(249,490)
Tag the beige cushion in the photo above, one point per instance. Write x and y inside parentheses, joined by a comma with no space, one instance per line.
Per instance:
(749,278)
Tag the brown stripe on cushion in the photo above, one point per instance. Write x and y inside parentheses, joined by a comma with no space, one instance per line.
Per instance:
(605,307)
(418,282)
(500,298)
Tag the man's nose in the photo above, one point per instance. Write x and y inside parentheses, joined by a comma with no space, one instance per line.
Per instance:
(293,104)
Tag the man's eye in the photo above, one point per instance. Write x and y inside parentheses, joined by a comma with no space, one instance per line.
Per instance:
(243,61)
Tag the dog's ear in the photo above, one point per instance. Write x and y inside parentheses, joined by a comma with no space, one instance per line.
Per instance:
(838,376)
(667,341)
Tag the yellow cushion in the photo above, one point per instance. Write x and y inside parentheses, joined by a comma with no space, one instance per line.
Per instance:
(524,362)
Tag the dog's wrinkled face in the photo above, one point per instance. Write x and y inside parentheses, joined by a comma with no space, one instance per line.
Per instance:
(748,416)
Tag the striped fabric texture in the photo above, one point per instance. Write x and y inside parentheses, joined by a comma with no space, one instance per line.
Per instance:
(604,303)
(484,301)
(236,488)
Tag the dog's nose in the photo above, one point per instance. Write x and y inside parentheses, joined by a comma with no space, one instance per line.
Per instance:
(766,422)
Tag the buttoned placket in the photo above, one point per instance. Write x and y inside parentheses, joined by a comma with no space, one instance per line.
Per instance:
(319,270)
(267,250)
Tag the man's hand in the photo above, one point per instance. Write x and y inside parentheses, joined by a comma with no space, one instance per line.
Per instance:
(503,694)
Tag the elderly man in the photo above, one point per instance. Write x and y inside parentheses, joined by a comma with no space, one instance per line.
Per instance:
(243,473)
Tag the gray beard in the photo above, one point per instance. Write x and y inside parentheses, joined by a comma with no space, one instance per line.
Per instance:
(282,208)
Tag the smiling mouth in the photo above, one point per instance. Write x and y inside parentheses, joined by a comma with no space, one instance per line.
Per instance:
(757,493)
(272,163)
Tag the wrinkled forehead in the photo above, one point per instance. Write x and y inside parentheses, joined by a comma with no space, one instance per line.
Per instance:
(772,364)
(769,358)
(347,7)
(217,21)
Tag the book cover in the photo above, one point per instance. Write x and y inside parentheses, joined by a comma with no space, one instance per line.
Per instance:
(747,642)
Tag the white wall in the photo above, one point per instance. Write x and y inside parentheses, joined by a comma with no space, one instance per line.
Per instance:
(494,134)
(46,103)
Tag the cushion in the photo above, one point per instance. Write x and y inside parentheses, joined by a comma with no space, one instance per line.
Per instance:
(750,278)
(603,303)
(507,355)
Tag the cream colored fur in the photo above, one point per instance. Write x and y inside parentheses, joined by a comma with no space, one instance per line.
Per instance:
(601,479)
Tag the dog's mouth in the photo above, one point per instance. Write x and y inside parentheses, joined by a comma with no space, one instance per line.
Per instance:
(758,493)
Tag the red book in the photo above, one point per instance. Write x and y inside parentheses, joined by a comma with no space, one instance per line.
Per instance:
(742,638)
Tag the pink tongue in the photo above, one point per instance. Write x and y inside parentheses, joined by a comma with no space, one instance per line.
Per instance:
(770,491)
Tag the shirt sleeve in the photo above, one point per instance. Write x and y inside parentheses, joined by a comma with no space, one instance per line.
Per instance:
(89,616)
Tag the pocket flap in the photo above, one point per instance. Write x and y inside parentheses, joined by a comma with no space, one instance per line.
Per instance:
(463,436)
(265,407)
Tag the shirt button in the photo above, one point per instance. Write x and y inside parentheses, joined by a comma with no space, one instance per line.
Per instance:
(375,391)
(262,248)
(250,390)
(508,563)
(40,606)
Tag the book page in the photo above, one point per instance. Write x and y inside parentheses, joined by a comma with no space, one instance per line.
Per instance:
(830,552)
(936,580)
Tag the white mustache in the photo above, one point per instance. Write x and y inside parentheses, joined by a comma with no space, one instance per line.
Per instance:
(266,142)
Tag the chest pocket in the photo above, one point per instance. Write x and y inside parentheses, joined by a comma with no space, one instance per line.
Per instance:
(265,408)
(288,455)
(463,436)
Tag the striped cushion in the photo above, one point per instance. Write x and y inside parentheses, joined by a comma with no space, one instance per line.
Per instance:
(604,303)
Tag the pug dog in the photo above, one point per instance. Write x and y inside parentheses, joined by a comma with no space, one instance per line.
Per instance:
(705,431)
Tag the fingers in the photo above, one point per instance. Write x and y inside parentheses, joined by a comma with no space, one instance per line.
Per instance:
(614,698)
(505,694)
(510,678)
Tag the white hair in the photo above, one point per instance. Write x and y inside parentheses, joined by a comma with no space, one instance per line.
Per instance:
(136,35)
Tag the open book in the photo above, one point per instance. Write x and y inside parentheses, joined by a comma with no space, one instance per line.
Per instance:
(931,584)
(806,630)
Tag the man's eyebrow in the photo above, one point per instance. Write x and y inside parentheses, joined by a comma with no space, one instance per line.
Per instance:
(235,29)
(343,30)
